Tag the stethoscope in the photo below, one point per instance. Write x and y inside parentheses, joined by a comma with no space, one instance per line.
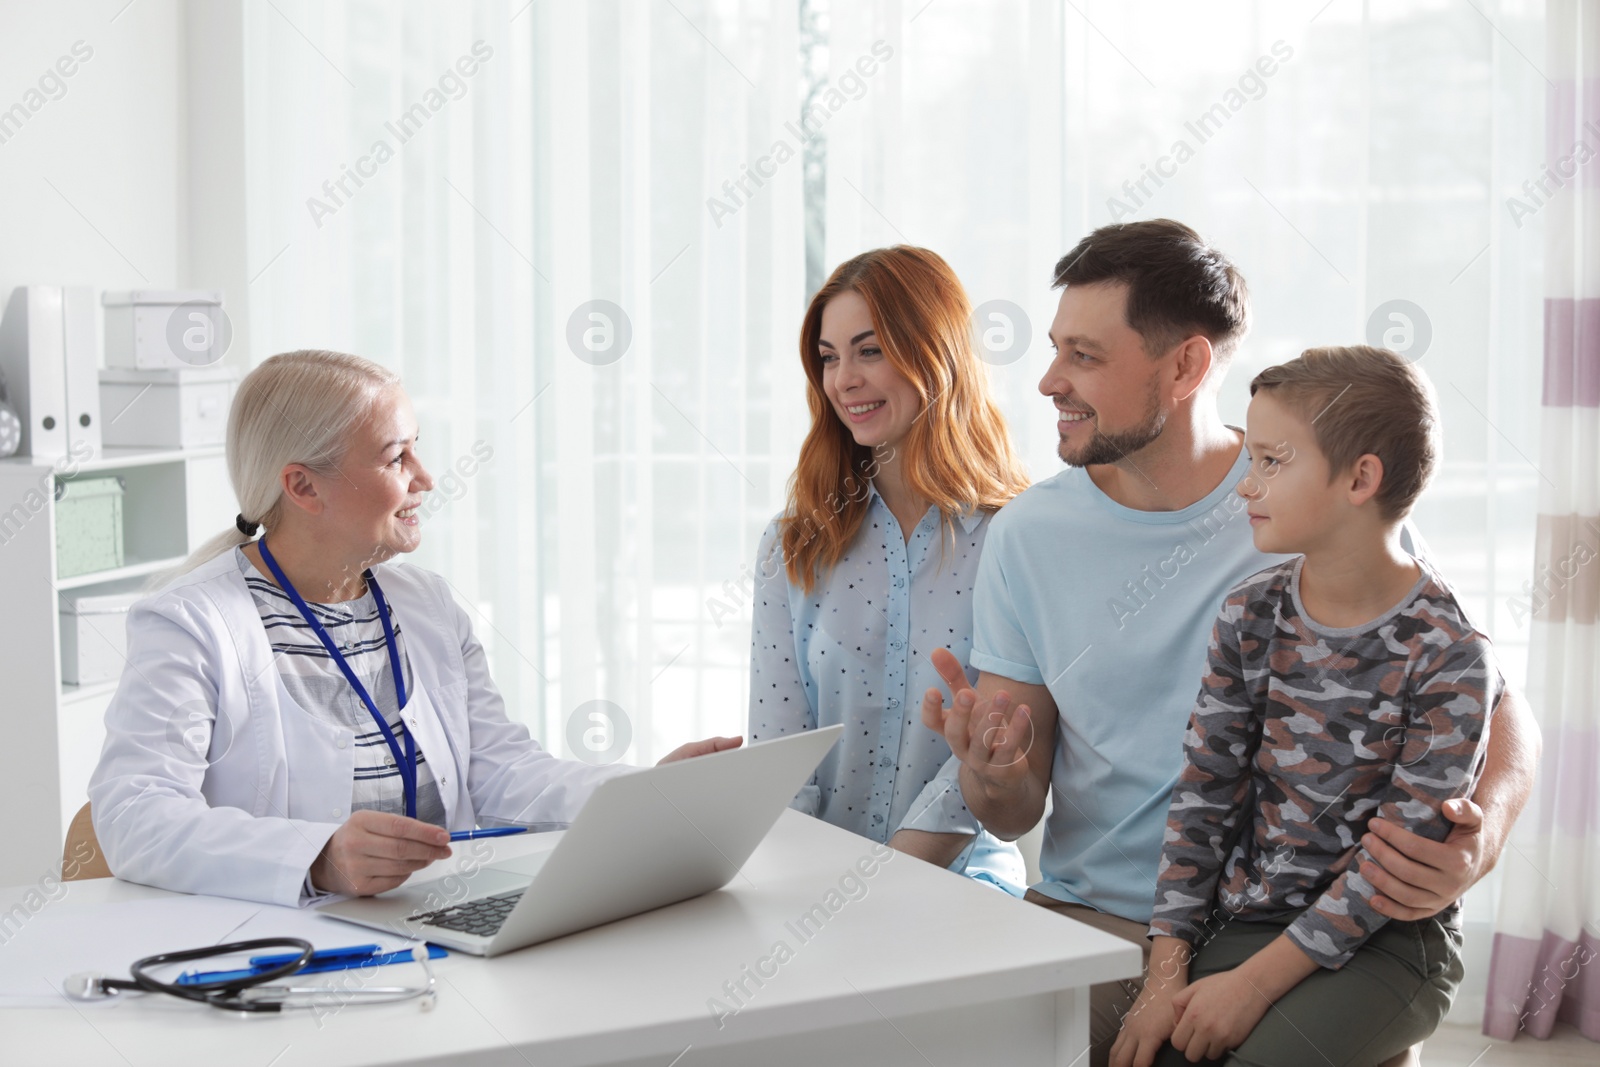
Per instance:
(246,992)
(407,766)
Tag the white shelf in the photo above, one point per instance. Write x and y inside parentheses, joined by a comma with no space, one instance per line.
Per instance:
(132,570)
(116,458)
(173,499)
(70,693)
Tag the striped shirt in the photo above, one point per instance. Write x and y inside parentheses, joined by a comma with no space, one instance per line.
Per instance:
(316,684)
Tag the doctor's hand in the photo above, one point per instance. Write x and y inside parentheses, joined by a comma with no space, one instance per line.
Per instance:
(701,748)
(375,851)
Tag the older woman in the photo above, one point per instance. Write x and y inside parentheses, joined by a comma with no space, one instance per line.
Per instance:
(298,715)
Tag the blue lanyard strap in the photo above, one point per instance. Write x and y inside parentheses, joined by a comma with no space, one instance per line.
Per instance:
(407,766)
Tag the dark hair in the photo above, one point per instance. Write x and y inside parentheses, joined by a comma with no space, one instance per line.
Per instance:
(1362,400)
(1178,285)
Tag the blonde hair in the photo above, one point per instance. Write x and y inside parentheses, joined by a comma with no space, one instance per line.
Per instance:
(297,407)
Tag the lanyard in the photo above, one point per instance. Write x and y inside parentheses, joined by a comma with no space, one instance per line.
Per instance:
(407,766)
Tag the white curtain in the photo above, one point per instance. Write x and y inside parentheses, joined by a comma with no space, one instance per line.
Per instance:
(1547,936)
(702,164)
(600,545)
(1355,159)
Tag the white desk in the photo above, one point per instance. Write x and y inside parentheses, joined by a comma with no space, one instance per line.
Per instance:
(927,969)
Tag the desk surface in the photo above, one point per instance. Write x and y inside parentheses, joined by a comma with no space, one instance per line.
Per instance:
(917,940)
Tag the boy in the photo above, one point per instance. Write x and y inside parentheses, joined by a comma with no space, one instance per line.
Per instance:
(1344,684)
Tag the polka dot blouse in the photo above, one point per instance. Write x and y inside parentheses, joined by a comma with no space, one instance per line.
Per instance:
(856,651)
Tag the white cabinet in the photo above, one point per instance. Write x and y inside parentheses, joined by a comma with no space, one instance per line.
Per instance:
(173,500)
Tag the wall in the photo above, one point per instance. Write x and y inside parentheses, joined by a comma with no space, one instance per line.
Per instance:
(127,174)
(91,185)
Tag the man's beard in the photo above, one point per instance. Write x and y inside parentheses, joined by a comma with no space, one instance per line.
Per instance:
(1104,448)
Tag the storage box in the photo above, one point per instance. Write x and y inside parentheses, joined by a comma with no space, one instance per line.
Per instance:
(149,329)
(166,408)
(94,636)
(88,525)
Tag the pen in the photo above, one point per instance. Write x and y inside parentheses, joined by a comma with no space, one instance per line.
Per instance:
(495,831)
(345,963)
(319,956)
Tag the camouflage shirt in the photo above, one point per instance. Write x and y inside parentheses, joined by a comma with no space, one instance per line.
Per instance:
(1304,732)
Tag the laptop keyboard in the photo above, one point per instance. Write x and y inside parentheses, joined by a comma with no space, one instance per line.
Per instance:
(482,917)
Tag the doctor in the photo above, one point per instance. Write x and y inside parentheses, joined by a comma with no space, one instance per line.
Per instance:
(299,716)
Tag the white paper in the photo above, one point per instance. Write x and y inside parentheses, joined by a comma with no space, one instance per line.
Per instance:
(38,950)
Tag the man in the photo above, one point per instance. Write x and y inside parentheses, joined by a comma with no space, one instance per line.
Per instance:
(1097,592)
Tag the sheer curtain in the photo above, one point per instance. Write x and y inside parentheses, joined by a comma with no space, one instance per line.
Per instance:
(1548,933)
(1355,159)
(593,304)
(699,165)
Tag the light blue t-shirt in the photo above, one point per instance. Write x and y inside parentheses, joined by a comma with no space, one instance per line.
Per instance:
(1111,609)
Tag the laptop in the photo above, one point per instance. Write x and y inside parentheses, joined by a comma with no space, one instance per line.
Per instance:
(643,841)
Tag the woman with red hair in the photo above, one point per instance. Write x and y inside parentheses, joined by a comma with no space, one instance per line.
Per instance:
(870,567)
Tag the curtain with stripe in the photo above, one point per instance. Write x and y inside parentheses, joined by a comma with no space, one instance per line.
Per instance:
(1546,961)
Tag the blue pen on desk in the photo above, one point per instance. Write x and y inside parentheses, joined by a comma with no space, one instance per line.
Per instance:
(314,966)
(322,955)
(493,831)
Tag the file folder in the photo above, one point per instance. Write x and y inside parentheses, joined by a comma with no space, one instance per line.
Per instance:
(33,360)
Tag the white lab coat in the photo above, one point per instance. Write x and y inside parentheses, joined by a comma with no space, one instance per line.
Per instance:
(213,780)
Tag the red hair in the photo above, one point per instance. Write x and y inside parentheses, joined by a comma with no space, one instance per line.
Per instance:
(957,454)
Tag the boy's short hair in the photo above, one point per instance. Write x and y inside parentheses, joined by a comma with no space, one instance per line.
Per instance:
(1361,400)
(1178,285)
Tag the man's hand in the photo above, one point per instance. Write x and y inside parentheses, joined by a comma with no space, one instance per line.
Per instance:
(1419,877)
(375,851)
(1005,752)
(1216,1014)
(990,737)
(701,748)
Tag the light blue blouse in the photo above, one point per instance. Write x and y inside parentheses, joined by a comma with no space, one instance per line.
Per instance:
(855,651)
